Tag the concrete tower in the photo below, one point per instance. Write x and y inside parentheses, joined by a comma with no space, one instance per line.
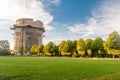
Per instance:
(27,33)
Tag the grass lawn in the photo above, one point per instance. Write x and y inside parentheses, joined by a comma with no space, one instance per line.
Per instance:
(37,68)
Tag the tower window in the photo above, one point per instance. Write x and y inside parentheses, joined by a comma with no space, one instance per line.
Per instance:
(29,37)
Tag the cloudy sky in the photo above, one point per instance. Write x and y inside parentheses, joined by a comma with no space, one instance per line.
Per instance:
(63,19)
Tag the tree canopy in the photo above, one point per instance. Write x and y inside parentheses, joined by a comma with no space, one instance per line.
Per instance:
(113,41)
(88,44)
(90,47)
(4,47)
(50,49)
(81,47)
(112,44)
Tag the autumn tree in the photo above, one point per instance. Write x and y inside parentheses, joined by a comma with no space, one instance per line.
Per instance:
(66,48)
(88,44)
(32,50)
(41,48)
(50,49)
(112,44)
(61,47)
(37,49)
(81,47)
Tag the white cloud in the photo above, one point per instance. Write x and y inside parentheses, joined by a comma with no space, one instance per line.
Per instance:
(56,2)
(56,40)
(49,2)
(11,10)
(105,19)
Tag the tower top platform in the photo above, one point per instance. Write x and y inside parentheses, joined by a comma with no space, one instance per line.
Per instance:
(28,21)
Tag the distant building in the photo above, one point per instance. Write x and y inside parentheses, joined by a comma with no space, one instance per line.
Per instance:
(27,33)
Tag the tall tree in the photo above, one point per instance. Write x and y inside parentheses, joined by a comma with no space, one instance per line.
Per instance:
(66,48)
(88,44)
(32,50)
(41,48)
(113,41)
(4,47)
(37,49)
(81,47)
(112,44)
(97,46)
(61,47)
(50,49)
(74,51)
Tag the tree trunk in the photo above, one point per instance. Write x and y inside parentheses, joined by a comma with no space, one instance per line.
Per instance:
(114,57)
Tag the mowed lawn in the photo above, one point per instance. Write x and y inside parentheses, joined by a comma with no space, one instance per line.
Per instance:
(37,68)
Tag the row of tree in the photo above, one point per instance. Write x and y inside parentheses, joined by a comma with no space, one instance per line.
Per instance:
(81,48)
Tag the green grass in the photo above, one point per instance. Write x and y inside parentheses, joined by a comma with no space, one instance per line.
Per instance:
(37,68)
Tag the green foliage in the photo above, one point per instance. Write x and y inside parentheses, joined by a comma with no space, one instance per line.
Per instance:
(113,41)
(4,47)
(50,49)
(89,51)
(74,51)
(41,48)
(88,44)
(66,48)
(4,52)
(81,47)
(32,50)
(112,44)
(97,44)
(87,48)
(22,50)
(61,47)
(37,50)
(114,51)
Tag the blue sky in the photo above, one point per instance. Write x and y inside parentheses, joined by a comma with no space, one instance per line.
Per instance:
(67,13)
(71,11)
(63,19)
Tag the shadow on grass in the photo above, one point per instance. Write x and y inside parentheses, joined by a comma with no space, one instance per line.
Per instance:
(20,77)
